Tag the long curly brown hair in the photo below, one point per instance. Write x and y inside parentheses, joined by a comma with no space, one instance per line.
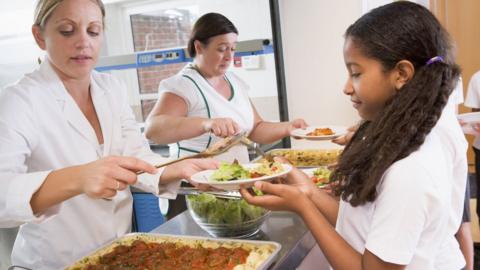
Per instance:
(391,33)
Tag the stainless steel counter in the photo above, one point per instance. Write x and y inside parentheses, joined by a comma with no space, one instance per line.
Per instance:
(282,227)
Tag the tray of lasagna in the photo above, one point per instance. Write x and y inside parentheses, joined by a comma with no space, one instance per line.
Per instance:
(162,251)
(307,158)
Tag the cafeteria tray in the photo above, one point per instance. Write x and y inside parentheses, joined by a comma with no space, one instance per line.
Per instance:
(306,158)
(264,252)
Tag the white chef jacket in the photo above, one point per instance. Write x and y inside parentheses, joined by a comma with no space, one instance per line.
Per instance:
(204,101)
(42,129)
(409,219)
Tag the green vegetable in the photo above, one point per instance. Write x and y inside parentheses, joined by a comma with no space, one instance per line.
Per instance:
(252,212)
(223,211)
(228,171)
(322,172)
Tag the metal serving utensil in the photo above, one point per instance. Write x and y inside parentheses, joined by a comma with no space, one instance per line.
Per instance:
(214,150)
(256,147)
(235,195)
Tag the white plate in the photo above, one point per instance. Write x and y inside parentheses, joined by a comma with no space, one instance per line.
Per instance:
(309,173)
(302,133)
(203,177)
(470,119)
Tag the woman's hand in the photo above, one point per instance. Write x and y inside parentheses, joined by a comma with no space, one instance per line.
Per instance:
(475,126)
(221,127)
(104,177)
(296,124)
(278,197)
(345,139)
(186,168)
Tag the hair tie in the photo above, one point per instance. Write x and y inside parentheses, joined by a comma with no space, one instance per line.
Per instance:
(434,60)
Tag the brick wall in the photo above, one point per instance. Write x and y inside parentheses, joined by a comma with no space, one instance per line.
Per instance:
(147,106)
(158,32)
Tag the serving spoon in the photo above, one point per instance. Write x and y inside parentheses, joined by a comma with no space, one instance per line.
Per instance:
(215,149)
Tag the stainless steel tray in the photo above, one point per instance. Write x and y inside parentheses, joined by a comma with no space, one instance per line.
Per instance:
(306,158)
(267,250)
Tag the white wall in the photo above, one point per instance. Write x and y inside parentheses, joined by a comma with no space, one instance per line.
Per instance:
(18,50)
(312,34)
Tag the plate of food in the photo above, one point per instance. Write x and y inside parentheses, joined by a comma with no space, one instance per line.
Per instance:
(469,120)
(318,133)
(320,176)
(233,176)
(306,158)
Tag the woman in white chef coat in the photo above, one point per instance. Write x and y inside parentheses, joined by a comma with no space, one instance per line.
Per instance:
(205,102)
(65,134)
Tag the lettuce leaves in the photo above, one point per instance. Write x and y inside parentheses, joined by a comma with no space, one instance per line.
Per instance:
(223,211)
(227,172)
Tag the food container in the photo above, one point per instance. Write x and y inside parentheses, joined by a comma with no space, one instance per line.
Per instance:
(308,158)
(233,218)
(261,253)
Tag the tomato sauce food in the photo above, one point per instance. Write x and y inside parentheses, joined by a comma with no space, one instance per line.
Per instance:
(166,256)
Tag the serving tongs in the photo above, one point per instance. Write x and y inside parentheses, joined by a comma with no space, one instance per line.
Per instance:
(235,195)
(256,147)
(215,149)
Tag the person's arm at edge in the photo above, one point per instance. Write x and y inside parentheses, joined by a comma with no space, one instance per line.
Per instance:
(98,179)
(325,203)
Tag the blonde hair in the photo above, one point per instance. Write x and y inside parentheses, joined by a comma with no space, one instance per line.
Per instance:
(45,8)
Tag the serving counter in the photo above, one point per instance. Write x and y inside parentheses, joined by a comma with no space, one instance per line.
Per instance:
(282,227)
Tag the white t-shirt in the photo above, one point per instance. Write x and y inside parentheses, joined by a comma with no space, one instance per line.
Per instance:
(204,101)
(456,97)
(455,146)
(473,99)
(410,216)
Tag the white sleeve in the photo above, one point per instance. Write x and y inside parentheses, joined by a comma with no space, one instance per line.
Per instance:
(459,92)
(136,145)
(401,213)
(182,87)
(17,139)
(473,92)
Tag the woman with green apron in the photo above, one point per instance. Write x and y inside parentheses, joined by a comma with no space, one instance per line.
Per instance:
(205,102)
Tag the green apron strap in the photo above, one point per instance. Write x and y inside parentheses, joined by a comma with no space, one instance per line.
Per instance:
(208,114)
(180,148)
(231,87)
